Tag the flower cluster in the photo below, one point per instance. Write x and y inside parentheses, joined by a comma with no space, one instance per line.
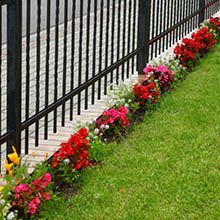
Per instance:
(215,21)
(112,117)
(146,92)
(190,50)
(187,52)
(75,151)
(162,74)
(204,38)
(27,198)
(214,27)
(120,95)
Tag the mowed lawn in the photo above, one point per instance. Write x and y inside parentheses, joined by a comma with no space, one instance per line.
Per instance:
(167,168)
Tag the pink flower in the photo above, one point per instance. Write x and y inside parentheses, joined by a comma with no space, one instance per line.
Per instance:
(149,69)
(110,116)
(33,205)
(21,188)
(162,69)
(17,196)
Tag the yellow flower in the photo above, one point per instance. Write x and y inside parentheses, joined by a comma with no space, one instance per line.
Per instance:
(10,172)
(8,166)
(13,157)
(1,188)
(46,155)
(33,154)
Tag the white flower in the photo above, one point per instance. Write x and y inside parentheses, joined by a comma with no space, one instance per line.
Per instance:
(11,216)
(2,202)
(107,127)
(96,131)
(126,105)
(5,210)
(66,161)
(102,126)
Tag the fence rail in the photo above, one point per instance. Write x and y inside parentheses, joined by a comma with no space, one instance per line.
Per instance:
(69,62)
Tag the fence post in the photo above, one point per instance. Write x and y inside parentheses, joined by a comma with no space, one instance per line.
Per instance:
(202,11)
(14,53)
(143,33)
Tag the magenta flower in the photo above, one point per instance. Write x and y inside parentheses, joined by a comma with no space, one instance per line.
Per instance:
(162,69)
(21,188)
(149,69)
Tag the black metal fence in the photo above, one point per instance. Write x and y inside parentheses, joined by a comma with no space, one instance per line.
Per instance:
(49,74)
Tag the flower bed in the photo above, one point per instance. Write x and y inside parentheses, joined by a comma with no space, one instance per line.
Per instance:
(24,196)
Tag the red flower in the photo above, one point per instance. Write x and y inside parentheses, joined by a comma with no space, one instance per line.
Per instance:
(147,91)
(215,21)
(83,132)
(204,38)
(75,149)
(191,49)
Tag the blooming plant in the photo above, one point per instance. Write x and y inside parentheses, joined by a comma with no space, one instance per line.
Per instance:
(23,195)
(113,122)
(214,27)
(164,76)
(204,38)
(146,93)
(187,52)
(27,198)
(74,151)
(121,95)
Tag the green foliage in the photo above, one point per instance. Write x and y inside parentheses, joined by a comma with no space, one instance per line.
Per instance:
(98,150)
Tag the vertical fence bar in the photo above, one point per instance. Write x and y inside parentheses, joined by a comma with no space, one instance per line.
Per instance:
(161,24)
(107,44)
(177,19)
(123,39)
(80,56)
(153,27)
(165,20)
(94,50)
(14,60)
(27,98)
(157,25)
(129,36)
(112,38)
(72,57)
(134,32)
(168,23)
(47,72)
(38,70)
(64,59)
(87,51)
(143,33)
(118,39)
(202,11)
(100,47)
(56,63)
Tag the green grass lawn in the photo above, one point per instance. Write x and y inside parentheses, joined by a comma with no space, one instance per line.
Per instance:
(168,167)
